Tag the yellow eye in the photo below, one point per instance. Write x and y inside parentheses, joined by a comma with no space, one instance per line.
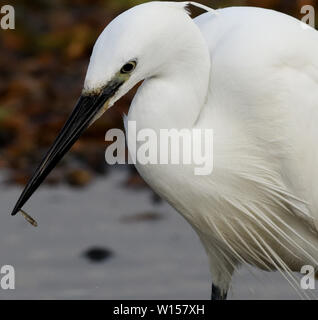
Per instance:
(128,67)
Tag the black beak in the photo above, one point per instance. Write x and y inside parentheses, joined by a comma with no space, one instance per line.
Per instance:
(87,107)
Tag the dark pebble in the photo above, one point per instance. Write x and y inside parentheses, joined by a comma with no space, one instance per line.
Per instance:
(97,254)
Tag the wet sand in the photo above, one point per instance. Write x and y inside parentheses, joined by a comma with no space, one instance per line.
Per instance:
(158,258)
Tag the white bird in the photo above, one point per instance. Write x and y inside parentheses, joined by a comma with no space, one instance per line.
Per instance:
(251,75)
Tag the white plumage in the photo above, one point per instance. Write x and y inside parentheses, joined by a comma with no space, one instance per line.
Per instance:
(252,76)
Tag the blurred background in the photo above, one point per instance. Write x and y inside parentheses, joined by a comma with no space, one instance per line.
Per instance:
(102,233)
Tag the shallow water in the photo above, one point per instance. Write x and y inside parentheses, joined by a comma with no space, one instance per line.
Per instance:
(159,259)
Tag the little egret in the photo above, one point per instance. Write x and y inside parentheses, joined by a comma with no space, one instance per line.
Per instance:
(251,75)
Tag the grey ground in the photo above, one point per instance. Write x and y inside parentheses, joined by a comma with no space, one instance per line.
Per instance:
(160,259)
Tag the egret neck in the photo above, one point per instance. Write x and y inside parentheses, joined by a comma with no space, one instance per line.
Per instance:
(174,96)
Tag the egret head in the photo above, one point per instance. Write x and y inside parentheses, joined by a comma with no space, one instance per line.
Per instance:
(133,47)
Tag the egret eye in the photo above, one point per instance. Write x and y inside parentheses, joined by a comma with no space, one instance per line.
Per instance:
(128,67)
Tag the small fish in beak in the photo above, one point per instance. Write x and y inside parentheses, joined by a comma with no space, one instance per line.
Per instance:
(28,218)
(85,112)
